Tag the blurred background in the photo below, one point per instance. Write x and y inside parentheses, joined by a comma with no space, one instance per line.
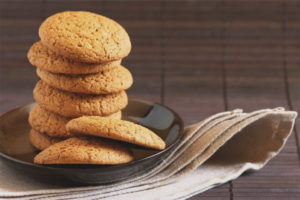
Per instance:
(197,57)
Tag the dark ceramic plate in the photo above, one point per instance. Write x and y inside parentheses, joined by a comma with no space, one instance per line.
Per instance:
(17,152)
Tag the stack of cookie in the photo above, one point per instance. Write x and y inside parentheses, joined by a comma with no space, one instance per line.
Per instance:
(79,63)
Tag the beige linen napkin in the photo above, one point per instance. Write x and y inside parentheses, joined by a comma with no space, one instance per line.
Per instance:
(212,152)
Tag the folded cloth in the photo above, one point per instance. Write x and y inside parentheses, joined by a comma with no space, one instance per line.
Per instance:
(211,152)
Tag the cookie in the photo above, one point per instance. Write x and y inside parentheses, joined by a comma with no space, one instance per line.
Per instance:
(75,105)
(107,82)
(85,151)
(115,129)
(53,124)
(44,58)
(85,37)
(41,141)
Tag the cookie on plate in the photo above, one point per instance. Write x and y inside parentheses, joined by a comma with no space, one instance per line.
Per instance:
(44,58)
(85,37)
(106,82)
(75,105)
(53,124)
(41,141)
(85,151)
(116,129)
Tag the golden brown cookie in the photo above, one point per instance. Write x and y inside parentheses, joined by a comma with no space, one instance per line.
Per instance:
(53,124)
(41,141)
(107,82)
(85,151)
(85,37)
(74,105)
(44,58)
(115,129)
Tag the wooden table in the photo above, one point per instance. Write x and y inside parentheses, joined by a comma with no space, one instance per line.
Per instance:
(198,57)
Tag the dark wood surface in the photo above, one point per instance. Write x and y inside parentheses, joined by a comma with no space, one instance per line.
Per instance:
(198,57)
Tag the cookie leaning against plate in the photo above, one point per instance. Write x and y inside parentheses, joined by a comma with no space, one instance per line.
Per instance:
(85,37)
(41,141)
(53,124)
(106,82)
(44,58)
(115,129)
(75,105)
(85,151)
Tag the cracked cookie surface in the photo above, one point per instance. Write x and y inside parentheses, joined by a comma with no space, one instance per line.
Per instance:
(44,58)
(116,129)
(85,151)
(75,105)
(106,82)
(52,124)
(85,37)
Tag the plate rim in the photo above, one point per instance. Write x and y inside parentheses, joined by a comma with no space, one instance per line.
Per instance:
(109,167)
